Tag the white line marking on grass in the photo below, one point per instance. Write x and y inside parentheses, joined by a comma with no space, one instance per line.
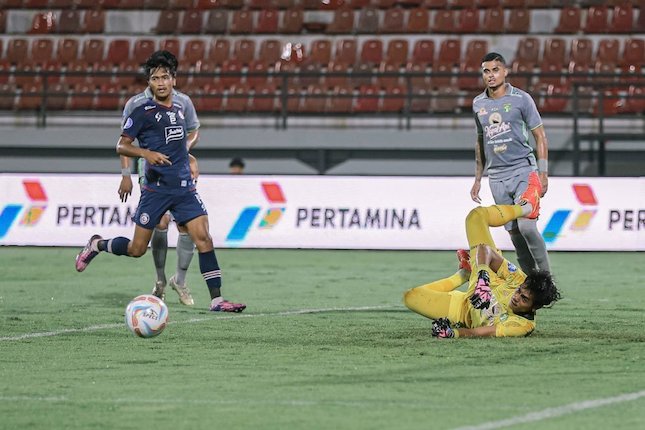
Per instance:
(549,413)
(196,320)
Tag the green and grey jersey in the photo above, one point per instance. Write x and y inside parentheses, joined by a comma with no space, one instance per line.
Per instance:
(504,126)
(180,99)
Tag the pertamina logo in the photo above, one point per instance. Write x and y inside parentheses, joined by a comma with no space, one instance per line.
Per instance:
(33,212)
(273,193)
(585,196)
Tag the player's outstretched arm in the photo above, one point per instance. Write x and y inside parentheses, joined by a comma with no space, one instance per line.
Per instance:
(125,147)
(488,331)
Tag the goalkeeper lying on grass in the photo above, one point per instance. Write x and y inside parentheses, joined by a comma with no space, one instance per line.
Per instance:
(501,300)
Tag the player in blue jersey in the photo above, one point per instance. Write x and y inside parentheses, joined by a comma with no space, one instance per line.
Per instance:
(159,241)
(160,127)
(503,116)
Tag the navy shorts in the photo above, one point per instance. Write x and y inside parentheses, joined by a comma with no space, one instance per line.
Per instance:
(152,205)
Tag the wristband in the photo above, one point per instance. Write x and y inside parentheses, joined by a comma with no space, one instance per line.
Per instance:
(543,166)
(126,172)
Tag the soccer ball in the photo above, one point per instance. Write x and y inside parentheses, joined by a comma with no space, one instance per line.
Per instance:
(146,316)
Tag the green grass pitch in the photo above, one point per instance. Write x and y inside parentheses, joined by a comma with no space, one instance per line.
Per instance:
(325,343)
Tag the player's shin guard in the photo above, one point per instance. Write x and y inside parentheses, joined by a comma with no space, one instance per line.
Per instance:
(211,272)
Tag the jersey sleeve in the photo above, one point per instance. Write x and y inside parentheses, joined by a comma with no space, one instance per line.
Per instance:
(514,326)
(192,122)
(478,124)
(531,115)
(133,124)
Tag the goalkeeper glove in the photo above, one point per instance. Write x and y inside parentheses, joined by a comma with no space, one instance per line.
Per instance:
(480,298)
(441,329)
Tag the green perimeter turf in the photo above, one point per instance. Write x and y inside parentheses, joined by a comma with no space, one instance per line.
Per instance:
(373,368)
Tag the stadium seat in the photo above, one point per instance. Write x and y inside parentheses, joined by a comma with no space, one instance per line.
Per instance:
(3,22)
(487,3)
(393,21)
(341,100)
(418,21)
(70,21)
(109,97)
(315,99)
(445,100)
(608,103)
(443,21)
(554,51)
(191,22)
(640,21)
(131,4)
(270,51)
(267,21)
(423,52)
(67,51)
(237,99)
(462,4)
(596,21)
(292,21)
(81,97)
(336,75)
(388,81)
(17,50)
(519,67)
(216,22)
(244,50)
(606,69)
(393,99)
(551,74)
(493,22)
(43,23)
(363,74)
(450,52)
(528,51)
(608,51)
(52,73)
(26,76)
(519,21)
(156,4)
(581,51)
(371,52)
(219,51)
(263,98)
(470,78)
(367,99)
(286,70)
(211,99)
(320,52)
(42,51)
(579,73)
(118,51)
(180,4)
(101,74)
(94,21)
(397,52)
(368,21)
(435,4)
(345,51)
(7,95)
(514,4)
(241,22)
(31,97)
(310,74)
(476,49)
(194,51)
(127,73)
(203,74)
(143,48)
(234,68)
(167,22)
(467,21)
(232,4)
(635,100)
(442,75)
(384,4)
(421,100)
(634,52)
(342,22)
(421,78)
(569,20)
(76,73)
(208,4)
(294,102)
(171,45)
(555,99)
(622,20)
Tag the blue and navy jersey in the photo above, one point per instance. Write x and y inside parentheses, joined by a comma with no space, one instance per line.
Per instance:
(161,129)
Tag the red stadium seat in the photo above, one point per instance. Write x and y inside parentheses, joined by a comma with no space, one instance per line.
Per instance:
(3,21)
(435,4)
(143,48)
(171,45)
(156,4)
(234,69)
(363,74)
(421,100)
(238,98)
(487,3)
(513,4)
(442,75)
(320,52)
(579,73)
(397,52)
(81,98)
(528,50)
(31,97)
(581,51)
(315,99)
(393,99)
(7,94)
(393,21)
(367,99)
(313,70)
(242,22)
(270,51)
(519,21)
(70,21)
(93,50)
(67,51)
(118,51)
(493,21)
(418,21)
(443,21)
(421,78)
(467,21)
(43,23)
(372,52)
(127,74)
(608,51)
(345,51)
(211,99)
(596,21)
(569,21)
(244,50)
(634,53)
(423,52)
(216,22)
(292,21)
(635,100)
(42,51)
(553,76)
(264,98)
(194,51)
(446,100)
(191,22)
(168,22)
(109,97)
(554,51)
(518,67)
(219,51)
(76,73)
(180,4)
(462,4)
(450,51)
(388,81)
(102,73)
(203,74)
(337,75)
(342,22)
(476,49)
(94,21)
(267,21)
(555,100)
(262,70)
(622,20)
(17,50)
(607,69)
(466,82)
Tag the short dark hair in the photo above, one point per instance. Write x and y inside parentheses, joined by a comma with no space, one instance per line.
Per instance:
(494,56)
(541,284)
(236,162)
(165,59)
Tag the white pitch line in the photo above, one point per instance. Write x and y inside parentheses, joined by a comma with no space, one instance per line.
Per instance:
(549,413)
(193,320)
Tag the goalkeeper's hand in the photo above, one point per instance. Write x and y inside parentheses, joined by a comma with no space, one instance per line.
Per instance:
(441,329)
(480,299)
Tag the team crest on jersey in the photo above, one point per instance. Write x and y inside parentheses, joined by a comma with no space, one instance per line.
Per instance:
(174,133)
(511,267)
(482,112)
(503,317)
(128,123)
(144,218)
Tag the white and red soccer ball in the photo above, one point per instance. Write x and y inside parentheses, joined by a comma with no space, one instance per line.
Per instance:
(146,315)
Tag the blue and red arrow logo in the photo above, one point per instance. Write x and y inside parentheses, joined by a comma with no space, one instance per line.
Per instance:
(586,197)
(273,193)
(36,193)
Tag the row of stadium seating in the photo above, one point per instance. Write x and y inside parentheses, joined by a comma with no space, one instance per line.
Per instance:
(397,51)
(319,99)
(305,4)
(368,20)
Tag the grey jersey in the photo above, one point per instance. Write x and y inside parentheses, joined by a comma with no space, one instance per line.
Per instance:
(178,98)
(504,125)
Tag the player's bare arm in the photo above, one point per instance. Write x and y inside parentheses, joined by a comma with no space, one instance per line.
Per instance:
(125,147)
(125,187)
(479,171)
(194,167)
(488,331)
(192,139)
(542,147)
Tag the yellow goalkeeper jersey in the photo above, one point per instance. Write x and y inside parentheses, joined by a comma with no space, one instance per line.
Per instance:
(498,314)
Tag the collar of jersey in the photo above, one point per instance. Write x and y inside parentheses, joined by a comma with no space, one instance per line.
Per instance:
(508,87)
